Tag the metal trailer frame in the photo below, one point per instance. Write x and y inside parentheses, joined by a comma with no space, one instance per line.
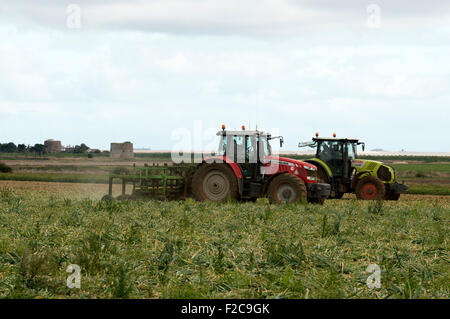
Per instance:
(156,181)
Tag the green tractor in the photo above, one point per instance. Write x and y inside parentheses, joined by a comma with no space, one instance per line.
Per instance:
(338,165)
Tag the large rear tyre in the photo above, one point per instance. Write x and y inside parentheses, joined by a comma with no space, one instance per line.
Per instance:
(214,182)
(286,188)
(370,188)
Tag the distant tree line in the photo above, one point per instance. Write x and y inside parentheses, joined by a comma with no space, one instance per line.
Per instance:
(21,148)
(38,148)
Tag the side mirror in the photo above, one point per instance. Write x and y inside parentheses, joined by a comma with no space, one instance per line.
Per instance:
(363,145)
(281,142)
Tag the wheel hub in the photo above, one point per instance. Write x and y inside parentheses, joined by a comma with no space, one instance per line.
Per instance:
(370,190)
(216,186)
(286,193)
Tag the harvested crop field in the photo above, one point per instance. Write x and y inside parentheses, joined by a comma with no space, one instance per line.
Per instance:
(186,249)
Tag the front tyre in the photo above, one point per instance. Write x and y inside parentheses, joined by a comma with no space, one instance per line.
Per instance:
(370,188)
(286,188)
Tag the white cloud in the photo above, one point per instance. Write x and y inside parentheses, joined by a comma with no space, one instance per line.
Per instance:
(136,71)
(250,17)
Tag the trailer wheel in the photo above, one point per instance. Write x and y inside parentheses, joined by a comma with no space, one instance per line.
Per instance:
(370,188)
(286,188)
(214,182)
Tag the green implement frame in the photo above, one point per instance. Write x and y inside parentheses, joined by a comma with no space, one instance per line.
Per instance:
(157,181)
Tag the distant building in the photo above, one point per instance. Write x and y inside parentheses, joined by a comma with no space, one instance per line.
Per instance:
(122,150)
(52,146)
(68,149)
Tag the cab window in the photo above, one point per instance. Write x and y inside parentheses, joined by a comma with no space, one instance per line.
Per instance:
(351,151)
(330,150)
(264,144)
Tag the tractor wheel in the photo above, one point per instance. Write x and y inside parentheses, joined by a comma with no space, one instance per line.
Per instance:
(370,188)
(214,182)
(286,188)
(391,196)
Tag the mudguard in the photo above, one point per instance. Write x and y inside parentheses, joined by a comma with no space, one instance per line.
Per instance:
(319,163)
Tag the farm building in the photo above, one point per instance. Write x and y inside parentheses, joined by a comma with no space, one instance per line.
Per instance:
(122,150)
(52,146)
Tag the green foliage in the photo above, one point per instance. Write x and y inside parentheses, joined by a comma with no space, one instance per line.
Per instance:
(428,189)
(8,147)
(375,207)
(122,284)
(187,249)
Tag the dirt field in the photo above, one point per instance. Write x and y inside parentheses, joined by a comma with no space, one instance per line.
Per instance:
(77,190)
(96,191)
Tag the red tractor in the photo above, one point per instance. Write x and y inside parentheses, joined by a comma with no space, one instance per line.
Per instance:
(245,169)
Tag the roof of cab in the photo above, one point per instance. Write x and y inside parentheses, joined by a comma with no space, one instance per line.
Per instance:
(242,132)
(351,140)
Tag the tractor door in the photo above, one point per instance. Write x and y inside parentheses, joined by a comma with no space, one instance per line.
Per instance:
(235,147)
(331,152)
(255,152)
(348,157)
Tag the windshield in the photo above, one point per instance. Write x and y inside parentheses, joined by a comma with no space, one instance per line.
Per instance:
(250,145)
(329,150)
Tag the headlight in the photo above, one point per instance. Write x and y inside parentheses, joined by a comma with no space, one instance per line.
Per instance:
(311,178)
(309,168)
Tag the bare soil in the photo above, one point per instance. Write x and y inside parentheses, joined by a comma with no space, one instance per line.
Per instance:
(96,191)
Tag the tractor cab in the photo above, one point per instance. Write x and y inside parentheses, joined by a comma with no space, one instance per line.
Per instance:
(246,146)
(250,149)
(338,154)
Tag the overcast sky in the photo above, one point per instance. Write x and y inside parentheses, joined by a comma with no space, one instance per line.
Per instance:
(131,70)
